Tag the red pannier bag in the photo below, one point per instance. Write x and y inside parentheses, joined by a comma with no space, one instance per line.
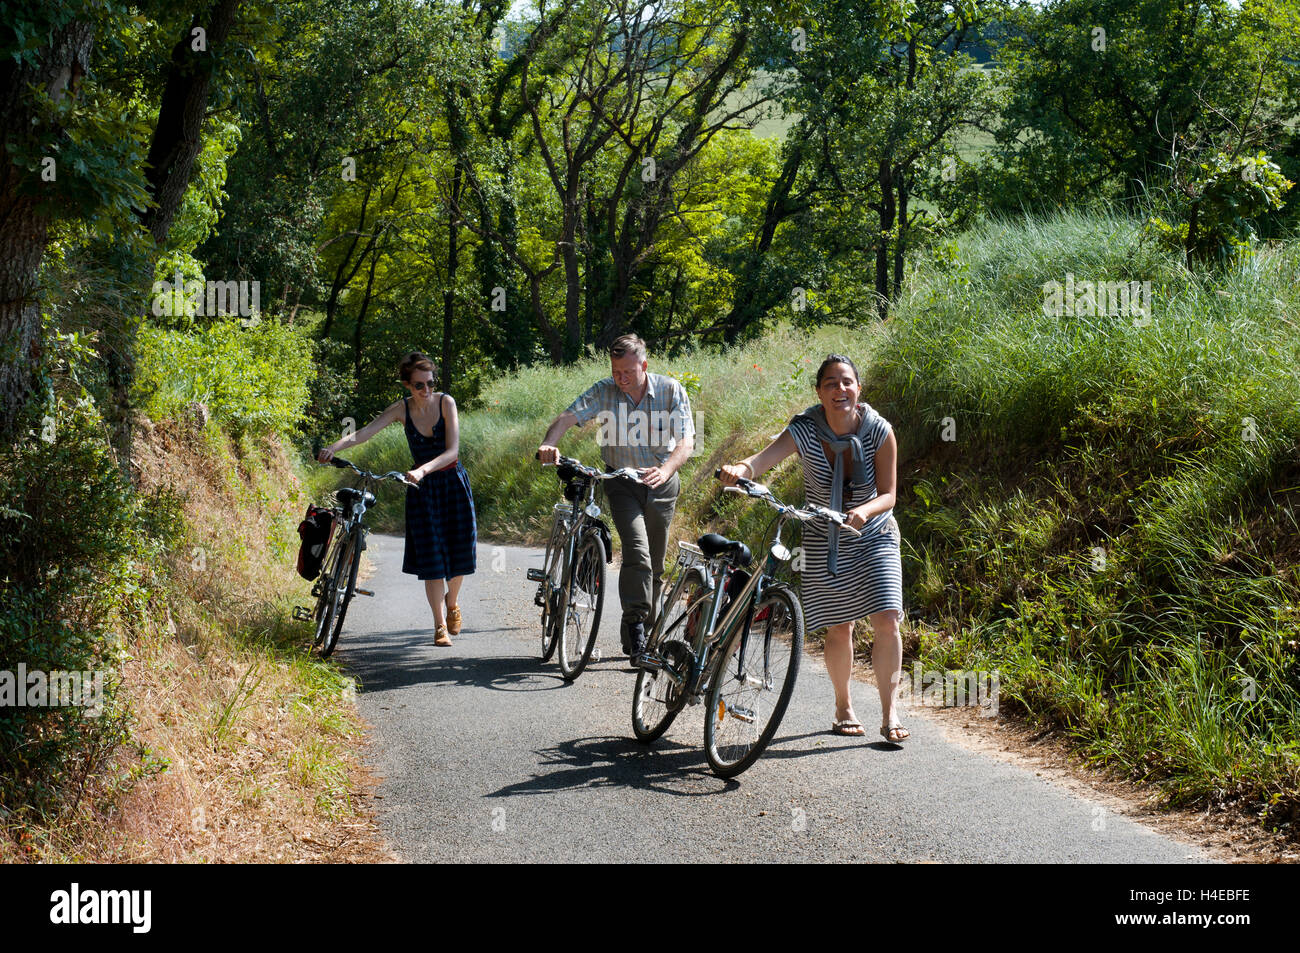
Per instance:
(315,531)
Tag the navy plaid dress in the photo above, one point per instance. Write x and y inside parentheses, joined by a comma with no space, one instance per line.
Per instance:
(440,527)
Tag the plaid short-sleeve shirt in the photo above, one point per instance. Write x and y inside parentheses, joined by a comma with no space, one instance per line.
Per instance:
(637,435)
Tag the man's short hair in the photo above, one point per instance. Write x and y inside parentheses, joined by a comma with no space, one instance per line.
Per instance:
(627,344)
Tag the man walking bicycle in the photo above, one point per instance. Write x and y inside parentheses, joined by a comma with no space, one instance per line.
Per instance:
(645,423)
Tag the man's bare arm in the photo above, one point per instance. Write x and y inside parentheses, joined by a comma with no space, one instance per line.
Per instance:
(549,449)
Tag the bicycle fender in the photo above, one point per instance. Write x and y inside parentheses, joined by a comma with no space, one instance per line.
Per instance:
(605,540)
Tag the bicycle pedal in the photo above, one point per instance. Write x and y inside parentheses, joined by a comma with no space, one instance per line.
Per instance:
(536,575)
(363,592)
(742,714)
(302,613)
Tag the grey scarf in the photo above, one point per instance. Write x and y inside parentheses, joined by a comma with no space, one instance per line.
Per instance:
(838,444)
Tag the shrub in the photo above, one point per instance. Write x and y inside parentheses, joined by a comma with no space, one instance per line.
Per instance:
(252,379)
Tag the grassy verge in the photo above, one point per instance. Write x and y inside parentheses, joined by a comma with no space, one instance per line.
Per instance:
(1103,509)
(239,746)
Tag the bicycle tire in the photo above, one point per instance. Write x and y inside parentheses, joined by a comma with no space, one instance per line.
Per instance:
(343,599)
(744,713)
(325,602)
(656,700)
(584,598)
(550,590)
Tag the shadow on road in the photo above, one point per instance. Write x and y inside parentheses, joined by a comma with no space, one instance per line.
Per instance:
(382,661)
(666,766)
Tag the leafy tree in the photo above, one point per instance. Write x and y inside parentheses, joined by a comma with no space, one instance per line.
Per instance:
(1101,93)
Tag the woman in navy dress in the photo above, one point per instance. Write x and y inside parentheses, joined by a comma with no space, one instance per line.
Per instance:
(441,533)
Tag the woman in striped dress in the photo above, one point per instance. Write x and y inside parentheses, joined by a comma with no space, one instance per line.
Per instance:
(849,455)
(441,532)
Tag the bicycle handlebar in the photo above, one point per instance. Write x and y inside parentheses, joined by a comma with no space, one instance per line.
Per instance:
(760,492)
(592,472)
(343,464)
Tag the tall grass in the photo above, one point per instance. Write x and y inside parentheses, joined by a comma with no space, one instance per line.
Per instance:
(1104,509)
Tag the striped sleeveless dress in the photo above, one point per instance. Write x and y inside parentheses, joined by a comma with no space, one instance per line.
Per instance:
(870,567)
(441,531)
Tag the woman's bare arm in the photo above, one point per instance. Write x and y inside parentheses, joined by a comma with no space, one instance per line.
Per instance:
(761,462)
(389,416)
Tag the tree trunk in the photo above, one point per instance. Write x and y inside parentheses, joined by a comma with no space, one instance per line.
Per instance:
(449,295)
(341,280)
(572,282)
(177,137)
(751,301)
(900,244)
(887,213)
(361,315)
(23,222)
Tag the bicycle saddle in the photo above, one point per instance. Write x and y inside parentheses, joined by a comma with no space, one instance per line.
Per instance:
(348,494)
(711,544)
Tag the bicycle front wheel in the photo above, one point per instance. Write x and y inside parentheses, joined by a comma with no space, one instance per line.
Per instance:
(752,683)
(348,586)
(325,586)
(584,599)
(550,591)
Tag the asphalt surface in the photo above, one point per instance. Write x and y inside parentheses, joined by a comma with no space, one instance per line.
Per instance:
(486,754)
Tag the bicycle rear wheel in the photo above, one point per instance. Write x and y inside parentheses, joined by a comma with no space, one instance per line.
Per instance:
(584,598)
(324,589)
(348,584)
(552,594)
(752,683)
(343,579)
(659,695)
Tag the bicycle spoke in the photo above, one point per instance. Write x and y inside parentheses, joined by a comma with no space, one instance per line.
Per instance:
(753,684)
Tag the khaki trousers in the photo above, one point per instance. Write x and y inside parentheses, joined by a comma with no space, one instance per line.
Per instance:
(641,516)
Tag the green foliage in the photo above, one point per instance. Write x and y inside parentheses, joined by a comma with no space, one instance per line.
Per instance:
(76,569)
(1225,196)
(252,379)
(1098,93)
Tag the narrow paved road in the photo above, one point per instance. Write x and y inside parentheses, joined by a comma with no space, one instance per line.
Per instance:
(486,754)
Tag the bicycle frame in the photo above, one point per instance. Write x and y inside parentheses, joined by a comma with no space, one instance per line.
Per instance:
(715,632)
(574,516)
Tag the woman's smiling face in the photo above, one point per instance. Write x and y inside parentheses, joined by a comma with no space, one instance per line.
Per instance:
(421,385)
(838,388)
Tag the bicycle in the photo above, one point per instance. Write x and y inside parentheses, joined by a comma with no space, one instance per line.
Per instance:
(571,582)
(730,635)
(337,582)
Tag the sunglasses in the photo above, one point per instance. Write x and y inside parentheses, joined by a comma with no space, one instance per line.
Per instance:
(421,385)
